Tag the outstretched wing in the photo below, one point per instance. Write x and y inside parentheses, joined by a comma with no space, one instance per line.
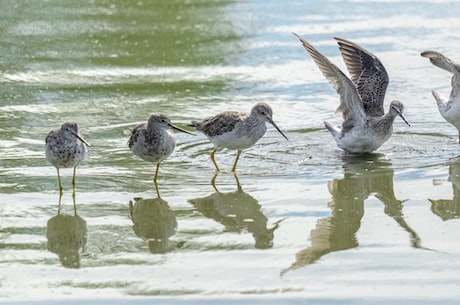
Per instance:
(350,101)
(441,61)
(368,75)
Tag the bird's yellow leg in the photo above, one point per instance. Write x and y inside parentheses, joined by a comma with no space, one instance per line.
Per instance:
(74,203)
(59,181)
(157,190)
(214,160)
(73,190)
(238,153)
(59,204)
(73,178)
(156,173)
(155,180)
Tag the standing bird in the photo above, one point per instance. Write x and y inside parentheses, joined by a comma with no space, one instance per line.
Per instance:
(65,148)
(236,130)
(366,126)
(154,142)
(449,109)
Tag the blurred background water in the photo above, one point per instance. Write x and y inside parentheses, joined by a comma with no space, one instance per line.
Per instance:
(301,221)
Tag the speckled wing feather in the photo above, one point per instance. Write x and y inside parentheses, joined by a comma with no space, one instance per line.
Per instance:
(350,101)
(367,74)
(219,124)
(135,133)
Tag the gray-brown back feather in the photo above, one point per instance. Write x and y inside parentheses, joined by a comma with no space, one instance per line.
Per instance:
(135,134)
(219,124)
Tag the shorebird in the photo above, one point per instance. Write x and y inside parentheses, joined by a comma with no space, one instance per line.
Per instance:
(65,148)
(449,108)
(236,130)
(366,126)
(153,141)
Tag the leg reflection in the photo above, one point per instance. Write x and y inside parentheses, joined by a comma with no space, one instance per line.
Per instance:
(238,212)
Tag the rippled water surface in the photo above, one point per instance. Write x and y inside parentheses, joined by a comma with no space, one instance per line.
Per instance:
(301,221)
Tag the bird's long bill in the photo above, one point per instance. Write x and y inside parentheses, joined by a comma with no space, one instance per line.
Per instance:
(180,129)
(403,118)
(274,125)
(81,139)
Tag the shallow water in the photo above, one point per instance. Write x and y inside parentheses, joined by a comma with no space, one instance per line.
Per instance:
(301,221)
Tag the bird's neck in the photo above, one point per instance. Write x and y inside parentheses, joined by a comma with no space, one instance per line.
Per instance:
(156,132)
(254,120)
(385,123)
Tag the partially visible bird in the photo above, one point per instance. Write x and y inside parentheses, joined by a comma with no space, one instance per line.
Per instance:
(65,148)
(153,141)
(236,130)
(366,126)
(449,108)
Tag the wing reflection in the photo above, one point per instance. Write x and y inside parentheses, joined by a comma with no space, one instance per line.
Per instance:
(362,178)
(449,208)
(154,221)
(67,235)
(238,212)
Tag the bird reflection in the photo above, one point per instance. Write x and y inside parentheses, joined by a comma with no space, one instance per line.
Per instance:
(362,177)
(449,208)
(67,235)
(155,222)
(238,212)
